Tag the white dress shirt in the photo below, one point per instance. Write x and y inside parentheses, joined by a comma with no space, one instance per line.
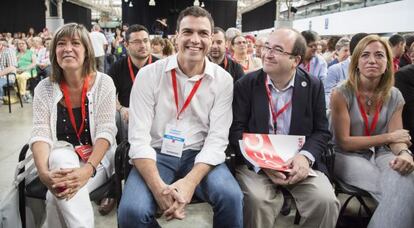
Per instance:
(207,119)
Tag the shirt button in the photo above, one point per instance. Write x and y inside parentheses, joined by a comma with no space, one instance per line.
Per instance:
(67,137)
(64,120)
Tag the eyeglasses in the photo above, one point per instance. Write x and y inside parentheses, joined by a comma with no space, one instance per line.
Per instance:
(138,42)
(275,51)
(240,42)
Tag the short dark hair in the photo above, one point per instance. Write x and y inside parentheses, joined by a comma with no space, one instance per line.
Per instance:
(218,29)
(409,39)
(310,36)
(332,42)
(194,11)
(134,28)
(299,47)
(234,38)
(395,39)
(355,40)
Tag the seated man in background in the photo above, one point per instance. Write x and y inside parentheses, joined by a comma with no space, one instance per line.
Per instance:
(180,115)
(284,94)
(8,63)
(404,81)
(339,72)
(342,51)
(397,44)
(313,63)
(124,71)
(218,55)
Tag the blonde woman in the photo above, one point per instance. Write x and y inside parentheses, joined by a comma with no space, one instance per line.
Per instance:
(372,148)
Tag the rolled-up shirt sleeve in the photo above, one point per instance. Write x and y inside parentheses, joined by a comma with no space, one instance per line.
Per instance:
(221,116)
(141,114)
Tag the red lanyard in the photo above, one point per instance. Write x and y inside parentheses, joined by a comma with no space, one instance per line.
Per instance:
(225,62)
(190,96)
(244,67)
(68,104)
(368,130)
(275,115)
(306,67)
(131,71)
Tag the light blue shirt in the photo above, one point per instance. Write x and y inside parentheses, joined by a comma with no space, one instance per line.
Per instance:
(317,67)
(279,99)
(336,74)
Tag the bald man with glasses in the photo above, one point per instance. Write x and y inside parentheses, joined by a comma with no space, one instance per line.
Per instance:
(282,87)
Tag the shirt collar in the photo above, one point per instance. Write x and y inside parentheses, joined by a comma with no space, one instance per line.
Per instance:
(173,64)
(291,83)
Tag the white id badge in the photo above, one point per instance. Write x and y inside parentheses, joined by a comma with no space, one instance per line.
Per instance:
(173,141)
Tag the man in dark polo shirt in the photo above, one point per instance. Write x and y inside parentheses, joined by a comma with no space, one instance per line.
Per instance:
(124,71)
(218,55)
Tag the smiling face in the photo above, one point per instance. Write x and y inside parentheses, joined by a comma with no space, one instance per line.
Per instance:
(278,63)
(138,45)
(193,39)
(70,53)
(218,48)
(372,62)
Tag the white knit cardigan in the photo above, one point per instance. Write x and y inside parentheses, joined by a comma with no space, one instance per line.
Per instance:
(102,108)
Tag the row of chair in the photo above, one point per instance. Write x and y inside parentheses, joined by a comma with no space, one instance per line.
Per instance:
(35,189)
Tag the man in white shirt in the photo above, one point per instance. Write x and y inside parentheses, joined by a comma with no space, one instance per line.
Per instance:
(99,44)
(180,114)
(8,63)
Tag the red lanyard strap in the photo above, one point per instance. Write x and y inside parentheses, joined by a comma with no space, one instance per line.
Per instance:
(225,62)
(190,96)
(275,115)
(307,67)
(68,104)
(131,71)
(368,130)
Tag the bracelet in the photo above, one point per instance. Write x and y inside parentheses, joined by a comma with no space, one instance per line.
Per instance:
(93,167)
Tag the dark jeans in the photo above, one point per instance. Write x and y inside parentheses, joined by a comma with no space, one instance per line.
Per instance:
(218,188)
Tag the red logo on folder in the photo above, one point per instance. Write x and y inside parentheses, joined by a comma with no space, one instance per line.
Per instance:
(271,151)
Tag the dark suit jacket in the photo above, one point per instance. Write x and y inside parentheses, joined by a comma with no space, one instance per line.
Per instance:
(251,112)
(404,81)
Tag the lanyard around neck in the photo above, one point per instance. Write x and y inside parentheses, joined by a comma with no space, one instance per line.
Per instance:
(131,71)
(369,129)
(275,114)
(190,96)
(68,104)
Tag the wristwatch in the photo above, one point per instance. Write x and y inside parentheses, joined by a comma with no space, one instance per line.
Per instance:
(406,151)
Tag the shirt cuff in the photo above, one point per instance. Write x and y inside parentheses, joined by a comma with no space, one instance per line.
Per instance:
(309,156)
(210,158)
(136,152)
